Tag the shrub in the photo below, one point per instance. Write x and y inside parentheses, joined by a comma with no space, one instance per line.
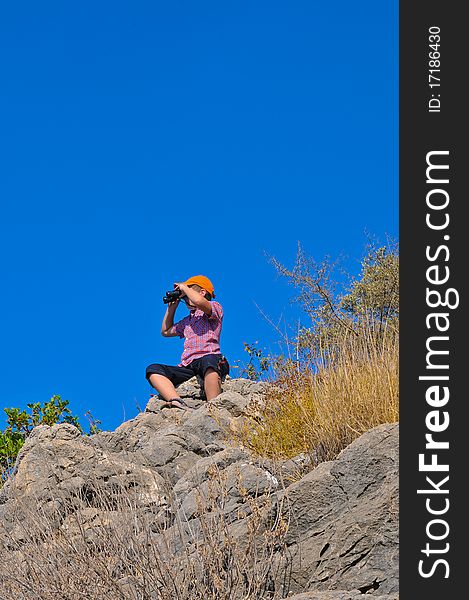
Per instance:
(319,413)
(338,377)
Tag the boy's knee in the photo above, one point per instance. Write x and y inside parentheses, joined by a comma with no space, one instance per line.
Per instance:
(155,380)
(156,376)
(155,369)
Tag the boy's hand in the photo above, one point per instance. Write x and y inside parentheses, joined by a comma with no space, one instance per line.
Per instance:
(182,287)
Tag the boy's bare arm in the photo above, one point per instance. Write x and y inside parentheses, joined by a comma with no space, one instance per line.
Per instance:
(195,297)
(168,320)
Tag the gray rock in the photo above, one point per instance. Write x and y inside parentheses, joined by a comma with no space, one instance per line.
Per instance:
(240,481)
(57,467)
(342,536)
(234,402)
(170,441)
(201,471)
(344,530)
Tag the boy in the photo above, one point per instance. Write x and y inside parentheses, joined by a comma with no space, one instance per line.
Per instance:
(201,356)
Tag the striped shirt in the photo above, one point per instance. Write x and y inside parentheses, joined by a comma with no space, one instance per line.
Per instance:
(201,333)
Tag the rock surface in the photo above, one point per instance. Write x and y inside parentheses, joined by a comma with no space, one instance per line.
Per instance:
(344,526)
(342,538)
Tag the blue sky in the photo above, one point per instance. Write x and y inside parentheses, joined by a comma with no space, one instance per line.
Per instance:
(144,142)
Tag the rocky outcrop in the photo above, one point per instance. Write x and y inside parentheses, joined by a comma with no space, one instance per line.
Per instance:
(342,535)
(344,518)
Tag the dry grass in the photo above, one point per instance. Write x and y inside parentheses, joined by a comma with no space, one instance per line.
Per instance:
(107,546)
(321,412)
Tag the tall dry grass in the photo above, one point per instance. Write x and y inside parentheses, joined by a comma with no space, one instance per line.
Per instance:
(107,546)
(353,388)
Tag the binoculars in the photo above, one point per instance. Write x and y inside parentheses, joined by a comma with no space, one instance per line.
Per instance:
(171,296)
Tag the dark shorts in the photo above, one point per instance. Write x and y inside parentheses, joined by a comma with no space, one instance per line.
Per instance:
(197,367)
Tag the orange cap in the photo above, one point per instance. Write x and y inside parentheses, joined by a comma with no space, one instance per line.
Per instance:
(203,281)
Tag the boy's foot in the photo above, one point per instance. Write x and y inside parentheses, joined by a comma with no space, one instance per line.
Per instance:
(175,403)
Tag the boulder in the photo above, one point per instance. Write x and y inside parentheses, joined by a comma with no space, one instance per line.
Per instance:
(344,528)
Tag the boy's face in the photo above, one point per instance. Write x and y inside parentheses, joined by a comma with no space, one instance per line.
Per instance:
(188,303)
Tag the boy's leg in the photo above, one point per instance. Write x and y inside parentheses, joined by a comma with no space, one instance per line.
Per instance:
(213,368)
(212,383)
(165,378)
(163,386)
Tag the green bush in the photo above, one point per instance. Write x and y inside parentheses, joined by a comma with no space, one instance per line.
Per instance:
(20,423)
(366,306)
